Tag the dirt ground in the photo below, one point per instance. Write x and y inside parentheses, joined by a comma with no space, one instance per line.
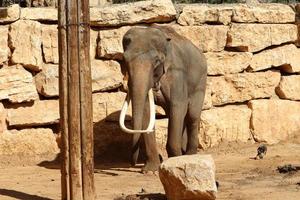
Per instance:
(240,177)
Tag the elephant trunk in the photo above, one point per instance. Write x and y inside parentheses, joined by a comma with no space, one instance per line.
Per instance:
(138,95)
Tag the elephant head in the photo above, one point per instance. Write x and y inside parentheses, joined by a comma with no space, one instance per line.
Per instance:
(144,58)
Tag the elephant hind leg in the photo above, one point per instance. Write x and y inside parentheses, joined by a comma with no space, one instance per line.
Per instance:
(184,140)
(192,121)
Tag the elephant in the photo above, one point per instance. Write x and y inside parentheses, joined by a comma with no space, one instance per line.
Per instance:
(168,69)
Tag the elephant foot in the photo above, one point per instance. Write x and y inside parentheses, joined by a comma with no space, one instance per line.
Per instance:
(150,167)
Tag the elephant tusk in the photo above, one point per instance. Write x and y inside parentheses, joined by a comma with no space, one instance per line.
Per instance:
(151,124)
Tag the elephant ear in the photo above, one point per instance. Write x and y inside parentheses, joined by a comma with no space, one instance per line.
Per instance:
(159,71)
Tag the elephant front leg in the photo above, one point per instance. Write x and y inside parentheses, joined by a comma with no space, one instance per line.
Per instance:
(152,156)
(175,129)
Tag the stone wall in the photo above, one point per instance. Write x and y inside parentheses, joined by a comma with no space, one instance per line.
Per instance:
(253,92)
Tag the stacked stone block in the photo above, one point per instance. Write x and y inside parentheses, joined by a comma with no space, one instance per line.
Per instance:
(252,95)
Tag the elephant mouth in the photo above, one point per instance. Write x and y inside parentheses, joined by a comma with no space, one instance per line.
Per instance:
(151,124)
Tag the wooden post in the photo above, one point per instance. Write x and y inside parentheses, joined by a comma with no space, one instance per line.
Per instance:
(75,91)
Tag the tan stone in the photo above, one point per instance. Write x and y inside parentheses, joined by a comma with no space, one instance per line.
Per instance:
(228,123)
(289,87)
(3,116)
(111,142)
(28,142)
(10,14)
(48,14)
(107,106)
(161,135)
(207,104)
(4,49)
(195,15)
(227,62)
(100,2)
(264,13)
(17,84)
(106,76)
(255,37)
(206,37)
(94,36)
(47,81)
(274,120)
(110,43)
(34,114)
(50,43)
(25,39)
(189,177)
(243,87)
(133,13)
(286,57)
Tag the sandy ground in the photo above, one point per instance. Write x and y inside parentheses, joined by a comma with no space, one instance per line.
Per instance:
(240,177)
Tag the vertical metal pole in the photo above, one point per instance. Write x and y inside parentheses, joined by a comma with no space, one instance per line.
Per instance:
(76,101)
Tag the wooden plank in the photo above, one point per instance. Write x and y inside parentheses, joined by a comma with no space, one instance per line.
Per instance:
(74,102)
(63,99)
(86,104)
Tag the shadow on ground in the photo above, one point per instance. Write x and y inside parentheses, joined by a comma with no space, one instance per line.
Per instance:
(21,195)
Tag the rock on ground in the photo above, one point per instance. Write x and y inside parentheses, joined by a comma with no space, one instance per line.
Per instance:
(189,177)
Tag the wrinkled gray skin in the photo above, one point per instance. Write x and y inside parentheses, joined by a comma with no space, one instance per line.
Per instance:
(157,57)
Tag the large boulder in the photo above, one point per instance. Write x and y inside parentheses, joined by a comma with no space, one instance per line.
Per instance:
(4,49)
(286,57)
(10,14)
(289,87)
(33,114)
(220,63)
(274,120)
(256,37)
(233,88)
(189,177)
(17,84)
(229,123)
(25,40)
(132,13)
